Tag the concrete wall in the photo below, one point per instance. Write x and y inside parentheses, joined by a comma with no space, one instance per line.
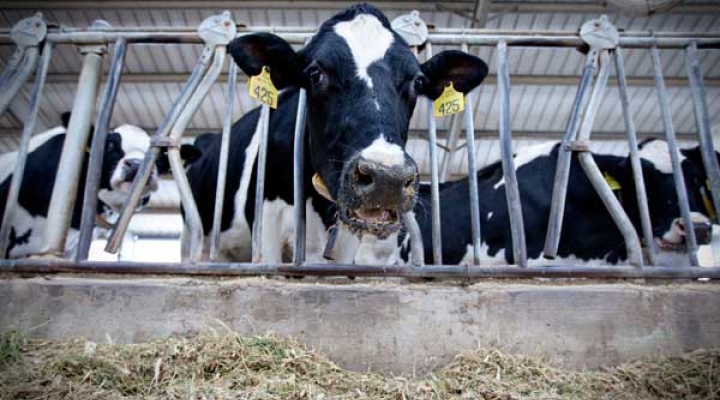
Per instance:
(397,328)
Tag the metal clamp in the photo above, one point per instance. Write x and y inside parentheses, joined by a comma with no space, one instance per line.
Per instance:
(600,33)
(411,28)
(164,141)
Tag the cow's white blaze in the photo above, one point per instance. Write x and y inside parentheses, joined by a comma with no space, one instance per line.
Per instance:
(676,233)
(368,41)
(384,153)
(135,141)
(528,155)
(657,153)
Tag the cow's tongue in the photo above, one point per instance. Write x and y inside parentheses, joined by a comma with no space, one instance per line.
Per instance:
(374,216)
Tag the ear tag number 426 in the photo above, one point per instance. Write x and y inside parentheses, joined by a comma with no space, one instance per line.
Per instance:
(450,102)
(262,88)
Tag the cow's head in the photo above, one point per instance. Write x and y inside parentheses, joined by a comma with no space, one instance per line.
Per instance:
(668,225)
(362,83)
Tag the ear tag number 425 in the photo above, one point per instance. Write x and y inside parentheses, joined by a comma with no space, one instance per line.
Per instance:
(262,88)
(450,102)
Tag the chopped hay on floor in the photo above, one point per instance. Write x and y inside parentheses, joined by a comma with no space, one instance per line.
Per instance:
(228,366)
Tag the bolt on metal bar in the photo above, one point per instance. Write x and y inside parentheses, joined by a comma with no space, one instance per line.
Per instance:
(680,188)
(148,164)
(456,272)
(702,118)
(587,162)
(76,139)
(434,178)
(512,191)
(22,153)
(299,180)
(562,170)
(223,162)
(640,192)
(257,228)
(97,149)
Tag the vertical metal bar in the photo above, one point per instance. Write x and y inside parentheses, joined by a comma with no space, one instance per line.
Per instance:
(146,169)
(417,249)
(472,180)
(512,191)
(453,136)
(690,239)
(299,180)
(635,159)
(434,181)
(92,181)
(192,215)
(76,140)
(19,171)
(587,162)
(14,77)
(702,118)
(257,228)
(223,162)
(562,171)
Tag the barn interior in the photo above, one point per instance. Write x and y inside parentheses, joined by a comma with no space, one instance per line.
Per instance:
(543,81)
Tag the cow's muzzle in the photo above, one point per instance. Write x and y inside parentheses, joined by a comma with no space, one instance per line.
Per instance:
(674,239)
(372,195)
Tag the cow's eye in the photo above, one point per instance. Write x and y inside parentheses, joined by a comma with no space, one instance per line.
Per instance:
(419,82)
(315,75)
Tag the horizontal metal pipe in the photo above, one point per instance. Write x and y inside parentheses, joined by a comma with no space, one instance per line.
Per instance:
(38,266)
(439,37)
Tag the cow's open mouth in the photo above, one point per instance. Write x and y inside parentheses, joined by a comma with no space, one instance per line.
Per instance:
(379,222)
(670,246)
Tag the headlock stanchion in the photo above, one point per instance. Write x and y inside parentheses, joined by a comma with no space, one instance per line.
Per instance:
(27,34)
(257,228)
(702,118)
(640,192)
(97,150)
(475,218)
(223,163)
(299,180)
(19,170)
(434,176)
(32,34)
(512,191)
(216,32)
(690,239)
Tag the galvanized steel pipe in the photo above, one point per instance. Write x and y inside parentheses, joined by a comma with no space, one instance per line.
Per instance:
(257,228)
(299,180)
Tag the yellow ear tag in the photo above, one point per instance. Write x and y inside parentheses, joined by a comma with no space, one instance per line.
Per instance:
(320,187)
(612,182)
(450,102)
(262,88)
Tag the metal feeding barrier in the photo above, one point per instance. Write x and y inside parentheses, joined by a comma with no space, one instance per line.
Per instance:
(35,43)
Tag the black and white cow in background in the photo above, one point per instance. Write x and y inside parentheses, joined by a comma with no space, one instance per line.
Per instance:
(124,151)
(589,235)
(362,84)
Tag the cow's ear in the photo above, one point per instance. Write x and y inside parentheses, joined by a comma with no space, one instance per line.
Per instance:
(464,70)
(252,52)
(189,154)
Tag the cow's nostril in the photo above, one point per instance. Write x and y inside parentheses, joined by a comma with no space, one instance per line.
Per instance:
(363,174)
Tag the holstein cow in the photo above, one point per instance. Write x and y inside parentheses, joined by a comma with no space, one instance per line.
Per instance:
(125,149)
(589,235)
(362,84)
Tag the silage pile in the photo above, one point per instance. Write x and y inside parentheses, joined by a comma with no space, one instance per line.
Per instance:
(227,366)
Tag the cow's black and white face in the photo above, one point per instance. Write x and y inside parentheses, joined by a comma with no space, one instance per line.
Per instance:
(362,82)
(668,225)
(125,150)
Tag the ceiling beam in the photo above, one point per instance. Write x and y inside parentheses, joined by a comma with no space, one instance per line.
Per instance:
(460,6)
(525,80)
